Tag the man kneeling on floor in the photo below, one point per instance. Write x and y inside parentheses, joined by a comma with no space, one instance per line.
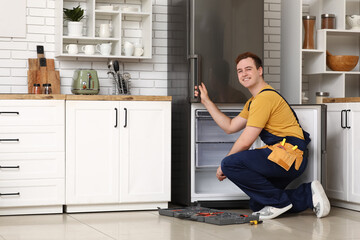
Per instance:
(264,173)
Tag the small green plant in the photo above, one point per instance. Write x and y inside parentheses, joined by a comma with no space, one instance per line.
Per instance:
(75,14)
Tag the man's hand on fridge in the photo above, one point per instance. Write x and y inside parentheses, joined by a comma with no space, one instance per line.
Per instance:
(219,174)
(202,92)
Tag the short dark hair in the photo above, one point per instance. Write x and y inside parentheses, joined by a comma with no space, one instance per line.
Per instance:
(257,60)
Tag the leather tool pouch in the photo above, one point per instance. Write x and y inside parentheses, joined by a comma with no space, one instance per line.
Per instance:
(285,156)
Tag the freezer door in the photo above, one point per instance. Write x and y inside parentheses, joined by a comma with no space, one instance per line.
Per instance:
(219,32)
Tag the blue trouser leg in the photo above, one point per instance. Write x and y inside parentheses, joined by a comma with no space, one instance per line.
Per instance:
(264,181)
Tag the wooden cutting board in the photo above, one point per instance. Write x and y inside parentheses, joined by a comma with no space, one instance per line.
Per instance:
(41,75)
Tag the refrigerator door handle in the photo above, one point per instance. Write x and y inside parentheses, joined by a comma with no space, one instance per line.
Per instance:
(195,76)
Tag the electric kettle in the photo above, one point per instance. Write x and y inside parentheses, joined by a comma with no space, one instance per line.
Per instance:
(85,81)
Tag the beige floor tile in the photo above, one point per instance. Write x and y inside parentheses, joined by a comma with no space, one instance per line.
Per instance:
(141,225)
(46,227)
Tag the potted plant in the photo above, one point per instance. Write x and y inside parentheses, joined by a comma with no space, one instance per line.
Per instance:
(73,16)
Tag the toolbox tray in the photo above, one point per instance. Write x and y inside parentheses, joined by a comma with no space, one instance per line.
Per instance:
(208,215)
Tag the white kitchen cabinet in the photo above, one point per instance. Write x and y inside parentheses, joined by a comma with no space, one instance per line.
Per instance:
(32,156)
(130,20)
(145,151)
(92,141)
(118,155)
(343,161)
(305,70)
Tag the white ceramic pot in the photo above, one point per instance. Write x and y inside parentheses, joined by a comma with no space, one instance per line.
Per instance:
(75,29)
(353,21)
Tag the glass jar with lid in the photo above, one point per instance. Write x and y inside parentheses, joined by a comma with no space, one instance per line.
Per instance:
(47,88)
(327,21)
(320,97)
(309,27)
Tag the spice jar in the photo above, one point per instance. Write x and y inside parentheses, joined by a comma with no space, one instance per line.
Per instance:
(328,21)
(320,97)
(309,27)
(47,88)
(36,89)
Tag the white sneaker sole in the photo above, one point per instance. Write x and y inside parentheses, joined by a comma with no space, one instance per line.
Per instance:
(319,197)
(278,212)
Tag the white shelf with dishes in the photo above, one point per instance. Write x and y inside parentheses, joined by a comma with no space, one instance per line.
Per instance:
(108,24)
(307,67)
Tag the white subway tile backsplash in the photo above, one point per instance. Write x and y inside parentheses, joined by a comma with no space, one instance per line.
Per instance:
(4,72)
(153,75)
(40,29)
(35,20)
(5,54)
(13,45)
(36,3)
(41,12)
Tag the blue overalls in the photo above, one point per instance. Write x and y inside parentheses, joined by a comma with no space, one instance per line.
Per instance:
(265,181)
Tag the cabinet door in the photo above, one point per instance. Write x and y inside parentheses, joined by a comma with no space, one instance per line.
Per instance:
(92,152)
(336,164)
(145,151)
(354,152)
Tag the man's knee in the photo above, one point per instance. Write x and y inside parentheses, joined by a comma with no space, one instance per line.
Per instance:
(233,162)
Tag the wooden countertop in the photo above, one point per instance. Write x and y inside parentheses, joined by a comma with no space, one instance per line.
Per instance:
(341,100)
(86,97)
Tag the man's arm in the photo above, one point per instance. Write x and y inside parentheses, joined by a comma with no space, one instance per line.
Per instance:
(224,122)
(246,139)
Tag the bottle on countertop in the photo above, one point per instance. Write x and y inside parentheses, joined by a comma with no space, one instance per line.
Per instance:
(47,88)
(36,89)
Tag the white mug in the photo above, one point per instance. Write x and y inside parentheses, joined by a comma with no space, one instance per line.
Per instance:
(104,30)
(139,51)
(72,48)
(88,49)
(104,48)
(128,48)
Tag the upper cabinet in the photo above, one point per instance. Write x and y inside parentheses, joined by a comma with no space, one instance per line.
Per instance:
(110,29)
(305,70)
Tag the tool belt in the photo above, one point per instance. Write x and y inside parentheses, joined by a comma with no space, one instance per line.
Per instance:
(285,154)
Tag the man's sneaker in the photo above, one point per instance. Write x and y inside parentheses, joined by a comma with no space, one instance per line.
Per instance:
(269,212)
(320,201)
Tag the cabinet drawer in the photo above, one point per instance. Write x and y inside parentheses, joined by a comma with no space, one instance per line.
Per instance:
(32,192)
(32,139)
(32,112)
(17,166)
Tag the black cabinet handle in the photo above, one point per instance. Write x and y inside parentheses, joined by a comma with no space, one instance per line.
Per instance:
(342,118)
(116,117)
(347,114)
(9,140)
(17,113)
(125,125)
(10,194)
(10,167)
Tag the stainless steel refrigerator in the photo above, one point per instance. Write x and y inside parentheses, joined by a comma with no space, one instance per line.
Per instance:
(205,37)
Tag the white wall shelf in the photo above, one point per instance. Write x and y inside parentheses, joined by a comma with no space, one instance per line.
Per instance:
(130,20)
(308,66)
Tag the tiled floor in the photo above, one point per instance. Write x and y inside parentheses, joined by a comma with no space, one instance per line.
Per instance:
(148,225)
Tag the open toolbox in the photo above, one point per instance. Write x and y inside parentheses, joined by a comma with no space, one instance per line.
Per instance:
(207,215)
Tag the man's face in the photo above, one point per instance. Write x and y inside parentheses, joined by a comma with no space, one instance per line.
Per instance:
(247,73)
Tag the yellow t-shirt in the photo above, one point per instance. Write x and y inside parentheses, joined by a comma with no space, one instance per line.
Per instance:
(268,110)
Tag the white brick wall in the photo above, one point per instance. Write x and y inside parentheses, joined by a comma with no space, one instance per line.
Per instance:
(149,76)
